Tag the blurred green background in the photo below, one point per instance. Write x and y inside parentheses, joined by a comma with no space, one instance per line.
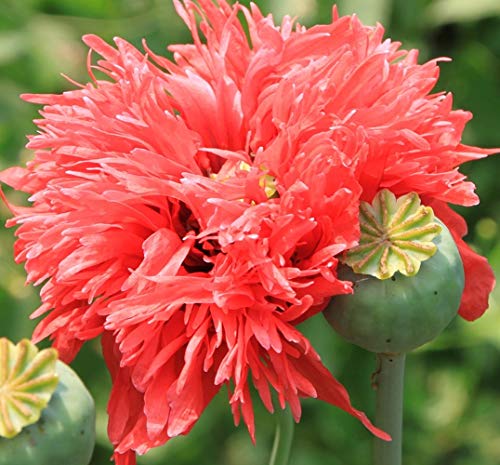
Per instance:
(452,406)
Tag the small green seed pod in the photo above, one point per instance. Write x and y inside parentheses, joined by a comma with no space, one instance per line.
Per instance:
(64,433)
(413,303)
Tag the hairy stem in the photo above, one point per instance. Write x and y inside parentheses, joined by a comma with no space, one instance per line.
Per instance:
(282,438)
(389,384)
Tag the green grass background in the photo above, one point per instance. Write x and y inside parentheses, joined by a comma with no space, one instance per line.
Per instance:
(452,405)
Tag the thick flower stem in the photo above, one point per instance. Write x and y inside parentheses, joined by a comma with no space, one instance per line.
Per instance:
(283,437)
(389,382)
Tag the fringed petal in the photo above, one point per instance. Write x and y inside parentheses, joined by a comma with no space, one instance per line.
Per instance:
(479,276)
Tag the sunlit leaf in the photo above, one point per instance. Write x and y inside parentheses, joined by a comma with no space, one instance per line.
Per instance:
(302,9)
(369,12)
(12,45)
(454,11)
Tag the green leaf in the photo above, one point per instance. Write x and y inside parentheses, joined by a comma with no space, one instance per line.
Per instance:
(12,45)
(455,11)
(369,12)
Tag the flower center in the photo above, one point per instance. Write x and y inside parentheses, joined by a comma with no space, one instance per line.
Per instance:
(266,181)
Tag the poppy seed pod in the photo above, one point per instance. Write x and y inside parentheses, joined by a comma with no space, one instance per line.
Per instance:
(64,431)
(394,312)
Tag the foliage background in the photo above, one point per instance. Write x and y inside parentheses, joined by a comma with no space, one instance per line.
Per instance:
(452,406)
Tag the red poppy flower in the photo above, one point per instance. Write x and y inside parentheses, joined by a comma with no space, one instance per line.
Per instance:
(367,101)
(191,212)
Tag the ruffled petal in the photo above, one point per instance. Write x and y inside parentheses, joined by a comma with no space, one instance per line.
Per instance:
(479,276)
(331,391)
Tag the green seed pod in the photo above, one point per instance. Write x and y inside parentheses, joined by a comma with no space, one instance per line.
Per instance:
(65,431)
(402,310)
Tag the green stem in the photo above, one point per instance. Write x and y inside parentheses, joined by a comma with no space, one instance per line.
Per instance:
(389,382)
(282,438)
